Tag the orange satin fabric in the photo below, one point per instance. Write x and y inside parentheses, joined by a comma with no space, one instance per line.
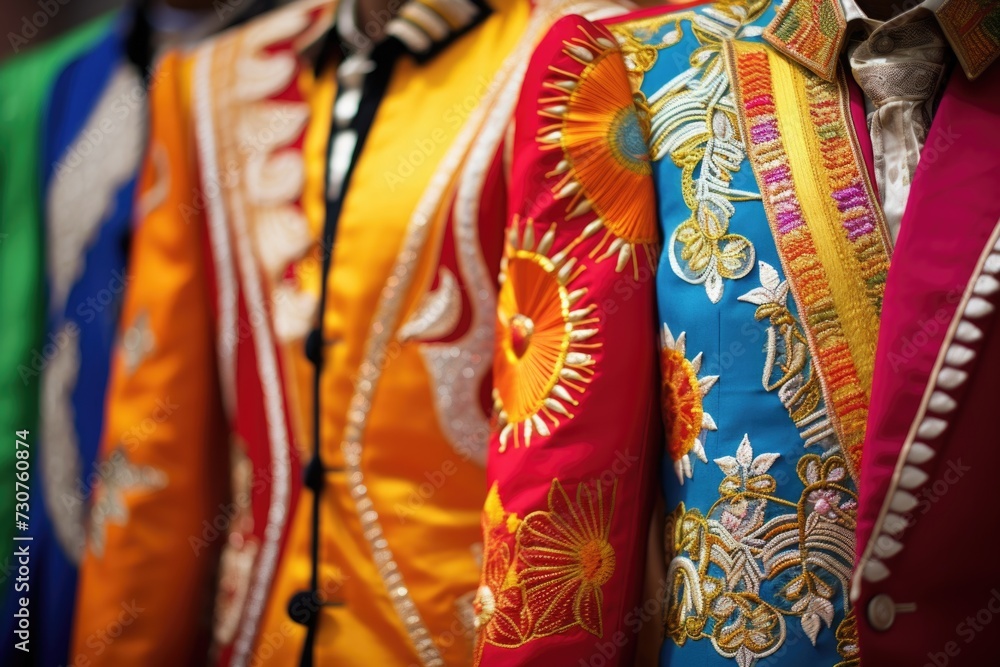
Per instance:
(149,596)
(428,495)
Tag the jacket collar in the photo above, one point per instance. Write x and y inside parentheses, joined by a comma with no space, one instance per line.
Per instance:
(424,28)
(812,32)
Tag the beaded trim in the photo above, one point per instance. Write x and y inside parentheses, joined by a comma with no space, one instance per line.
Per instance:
(384,322)
(931,421)
(222,255)
(827,230)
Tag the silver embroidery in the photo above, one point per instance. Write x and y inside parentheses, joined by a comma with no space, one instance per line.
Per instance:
(387,314)
(438,313)
(104,156)
(119,477)
(60,459)
(138,341)
(264,347)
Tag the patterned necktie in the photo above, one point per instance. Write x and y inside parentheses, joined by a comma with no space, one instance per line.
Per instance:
(900,67)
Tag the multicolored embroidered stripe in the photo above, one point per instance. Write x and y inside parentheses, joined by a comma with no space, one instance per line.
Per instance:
(973,29)
(811,31)
(862,219)
(826,227)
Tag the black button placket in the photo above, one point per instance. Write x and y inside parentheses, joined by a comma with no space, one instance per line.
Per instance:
(362,82)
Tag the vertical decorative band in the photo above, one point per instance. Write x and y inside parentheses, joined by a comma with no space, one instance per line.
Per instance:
(861,218)
(277,433)
(827,228)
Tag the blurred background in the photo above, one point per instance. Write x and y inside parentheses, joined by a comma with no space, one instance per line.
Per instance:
(47,18)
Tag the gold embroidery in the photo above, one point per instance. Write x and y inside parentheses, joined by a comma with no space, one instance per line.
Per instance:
(501,613)
(568,557)
(788,357)
(543,575)
(694,122)
(720,560)
(847,642)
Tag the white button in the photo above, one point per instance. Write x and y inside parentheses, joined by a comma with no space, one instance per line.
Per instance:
(881,612)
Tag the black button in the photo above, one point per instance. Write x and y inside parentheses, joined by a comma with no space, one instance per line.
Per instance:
(313,476)
(303,608)
(314,347)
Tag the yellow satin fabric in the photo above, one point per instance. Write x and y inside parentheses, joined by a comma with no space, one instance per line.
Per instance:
(427,495)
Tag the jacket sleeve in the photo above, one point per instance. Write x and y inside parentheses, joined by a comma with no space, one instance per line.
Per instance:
(151,554)
(572,461)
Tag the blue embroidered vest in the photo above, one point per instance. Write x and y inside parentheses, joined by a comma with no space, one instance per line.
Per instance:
(759,468)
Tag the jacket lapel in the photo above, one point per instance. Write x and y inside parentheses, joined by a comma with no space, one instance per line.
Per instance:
(826,222)
(934,312)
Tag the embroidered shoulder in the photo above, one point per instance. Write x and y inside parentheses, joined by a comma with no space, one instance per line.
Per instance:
(598,138)
(695,124)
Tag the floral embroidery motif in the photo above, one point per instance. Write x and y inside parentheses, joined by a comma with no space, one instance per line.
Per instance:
(542,575)
(683,412)
(109,507)
(567,557)
(788,365)
(138,342)
(602,130)
(847,642)
(501,617)
(545,337)
(694,122)
(751,536)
